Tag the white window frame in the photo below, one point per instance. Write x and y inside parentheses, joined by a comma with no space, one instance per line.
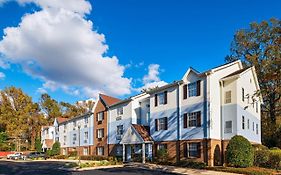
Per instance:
(85,151)
(86,120)
(228,127)
(161,98)
(192,119)
(100,116)
(100,150)
(192,89)
(86,135)
(100,133)
(161,123)
(120,111)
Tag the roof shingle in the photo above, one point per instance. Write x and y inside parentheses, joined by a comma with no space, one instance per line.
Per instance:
(143,131)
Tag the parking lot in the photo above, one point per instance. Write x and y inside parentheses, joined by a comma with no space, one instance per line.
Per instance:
(52,167)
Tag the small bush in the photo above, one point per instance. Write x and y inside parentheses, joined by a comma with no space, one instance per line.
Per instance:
(60,157)
(239,152)
(274,159)
(192,164)
(261,155)
(72,154)
(162,155)
(96,158)
(56,148)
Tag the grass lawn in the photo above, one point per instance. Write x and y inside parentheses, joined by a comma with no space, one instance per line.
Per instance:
(248,171)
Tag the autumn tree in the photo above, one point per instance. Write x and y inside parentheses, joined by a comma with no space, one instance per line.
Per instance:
(50,107)
(260,46)
(16,111)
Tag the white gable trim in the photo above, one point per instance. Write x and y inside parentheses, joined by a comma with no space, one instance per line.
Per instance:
(126,139)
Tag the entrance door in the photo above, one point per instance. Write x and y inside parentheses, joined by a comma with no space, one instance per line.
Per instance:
(128,153)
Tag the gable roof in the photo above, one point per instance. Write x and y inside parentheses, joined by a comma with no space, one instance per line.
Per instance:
(143,132)
(61,119)
(108,100)
(236,72)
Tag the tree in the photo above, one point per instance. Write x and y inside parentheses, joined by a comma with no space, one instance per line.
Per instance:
(260,46)
(50,107)
(56,148)
(70,111)
(38,144)
(15,114)
(239,152)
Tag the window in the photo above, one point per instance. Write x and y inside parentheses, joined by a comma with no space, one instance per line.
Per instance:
(161,98)
(74,138)
(100,133)
(147,117)
(86,135)
(257,107)
(161,146)
(248,123)
(120,130)
(253,126)
(64,128)
(64,140)
(85,151)
(120,111)
(257,129)
(192,119)
(100,116)
(74,125)
(185,91)
(100,151)
(161,124)
(227,97)
(243,122)
(194,150)
(243,94)
(228,127)
(192,89)
(86,120)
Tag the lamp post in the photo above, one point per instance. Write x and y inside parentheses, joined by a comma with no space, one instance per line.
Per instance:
(79,160)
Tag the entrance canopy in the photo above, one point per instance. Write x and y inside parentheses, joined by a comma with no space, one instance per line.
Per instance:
(136,134)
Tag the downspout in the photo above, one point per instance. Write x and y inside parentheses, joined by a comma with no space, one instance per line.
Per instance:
(221,121)
(178,124)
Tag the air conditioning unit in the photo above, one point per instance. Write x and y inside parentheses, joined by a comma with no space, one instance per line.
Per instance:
(118,118)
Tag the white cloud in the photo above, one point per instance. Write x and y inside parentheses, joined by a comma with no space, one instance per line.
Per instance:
(41,91)
(152,79)
(79,6)
(60,46)
(153,74)
(2,76)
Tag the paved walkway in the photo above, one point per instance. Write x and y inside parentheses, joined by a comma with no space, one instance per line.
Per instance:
(174,169)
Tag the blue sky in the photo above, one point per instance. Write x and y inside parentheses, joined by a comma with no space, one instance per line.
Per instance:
(173,35)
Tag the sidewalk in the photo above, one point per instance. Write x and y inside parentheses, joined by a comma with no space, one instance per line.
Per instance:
(174,169)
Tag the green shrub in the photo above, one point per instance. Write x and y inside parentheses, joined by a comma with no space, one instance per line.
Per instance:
(162,155)
(49,153)
(274,159)
(38,144)
(274,148)
(192,164)
(239,152)
(72,153)
(261,155)
(96,158)
(56,148)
